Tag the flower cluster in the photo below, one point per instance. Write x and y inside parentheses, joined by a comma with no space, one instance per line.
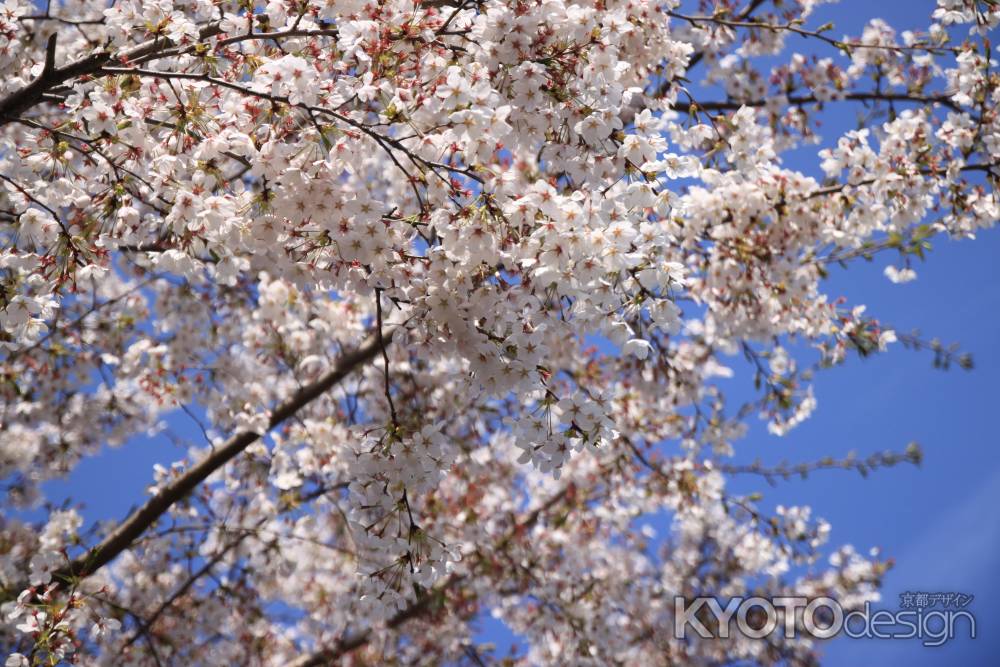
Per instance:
(445,292)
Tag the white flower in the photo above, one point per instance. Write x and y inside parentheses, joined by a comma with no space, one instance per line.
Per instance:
(780,362)
(596,127)
(885,338)
(42,566)
(455,90)
(101,118)
(91,271)
(37,227)
(675,166)
(32,623)
(105,625)
(638,347)
(903,275)
(367,92)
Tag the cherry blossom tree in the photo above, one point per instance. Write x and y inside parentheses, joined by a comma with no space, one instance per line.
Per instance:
(447,287)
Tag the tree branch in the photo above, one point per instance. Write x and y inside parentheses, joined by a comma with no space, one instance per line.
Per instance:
(349,643)
(18,102)
(136,524)
(799,100)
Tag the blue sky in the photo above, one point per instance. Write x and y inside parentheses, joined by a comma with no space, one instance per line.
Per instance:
(938,522)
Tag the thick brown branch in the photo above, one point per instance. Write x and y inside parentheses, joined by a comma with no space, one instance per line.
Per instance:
(18,102)
(12,106)
(147,515)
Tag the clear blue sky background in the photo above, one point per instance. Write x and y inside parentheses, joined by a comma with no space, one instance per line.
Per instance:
(938,522)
